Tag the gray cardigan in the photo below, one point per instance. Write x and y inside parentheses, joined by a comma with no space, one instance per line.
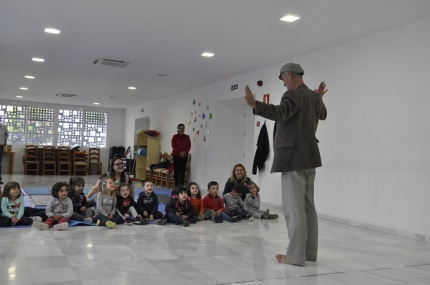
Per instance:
(253,204)
(57,207)
(294,144)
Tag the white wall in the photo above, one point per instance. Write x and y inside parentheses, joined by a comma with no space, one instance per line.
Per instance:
(373,143)
(115,134)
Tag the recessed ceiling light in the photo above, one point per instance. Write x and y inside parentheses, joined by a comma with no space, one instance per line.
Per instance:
(111,97)
(29,77)
(96,103)
(208,54)
(23,88)
(290,18)
(18,96)
(37,59)
(132,88)
(52,31)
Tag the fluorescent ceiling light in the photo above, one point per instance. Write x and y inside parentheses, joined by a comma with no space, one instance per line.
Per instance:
(290,18)
(29,77)
(23,88)
(132,88)
(208,54)
(95,103)
(37,59)
(52,31)
(18,96)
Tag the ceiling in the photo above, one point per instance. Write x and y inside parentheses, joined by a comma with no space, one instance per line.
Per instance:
(167,37)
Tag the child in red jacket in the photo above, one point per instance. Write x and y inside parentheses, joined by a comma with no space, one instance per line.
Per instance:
(214,205)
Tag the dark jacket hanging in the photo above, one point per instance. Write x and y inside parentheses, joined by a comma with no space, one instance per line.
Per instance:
(262,150)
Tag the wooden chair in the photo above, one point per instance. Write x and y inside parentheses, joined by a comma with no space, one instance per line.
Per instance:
(150,174)
(49,163)
(95,166)
(171,180)
(63,160)
(80,162)
(161,173)
(31,160)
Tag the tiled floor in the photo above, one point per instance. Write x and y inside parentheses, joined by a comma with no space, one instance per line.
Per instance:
(205,253)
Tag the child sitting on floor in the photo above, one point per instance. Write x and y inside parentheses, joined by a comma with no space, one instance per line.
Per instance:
(81,209)
(252,201)
(106,205)
(196,200)
(179,209)
(59,208)
(12,206)
(234,206)
(126,206)
(148,203)
(214,205)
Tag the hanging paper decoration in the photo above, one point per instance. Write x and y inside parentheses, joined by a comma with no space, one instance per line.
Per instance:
(206,125)
(210,116)
(201,126)
(192,113)
(194,102)
(207,107)
(194,139)
(199,115)
(204,138)
(189,123)
(200,104)
(194,129)
(195,119)
(195,111)
(203,116)
(198,132)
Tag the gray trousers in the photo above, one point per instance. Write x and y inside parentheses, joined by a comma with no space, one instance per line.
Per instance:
(300,215)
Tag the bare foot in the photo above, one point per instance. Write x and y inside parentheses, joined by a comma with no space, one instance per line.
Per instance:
(282,259)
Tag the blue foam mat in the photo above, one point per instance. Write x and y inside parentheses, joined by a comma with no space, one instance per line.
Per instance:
(47,191)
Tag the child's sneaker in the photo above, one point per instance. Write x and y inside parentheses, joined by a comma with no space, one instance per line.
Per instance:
(40,226)
(36,219)
(99,223)
(235,219)
(110,224)
(160,222)
(250,218)
(217,219)
(60,227)
(266,214)
(128,222)
(273,216)
(88,220)
(186,223)
(144,221)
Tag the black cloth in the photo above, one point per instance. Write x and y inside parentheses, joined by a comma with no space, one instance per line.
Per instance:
(180,167)
(78,201)
(229,186)
(262,151)
(174,206)
(123,204)
(148,204)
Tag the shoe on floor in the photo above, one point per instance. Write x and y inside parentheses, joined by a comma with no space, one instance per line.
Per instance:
(234,219)
(88,220)
(186,223)
(217,219)
(144,221)
(128,222)
(160,222)
(266,214)
(36,219)
(273,216)
(110,224)
(40,226)
(99,223)
(137,221)
(251,218)
(60,227)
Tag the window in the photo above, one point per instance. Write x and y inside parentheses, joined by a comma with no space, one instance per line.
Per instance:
(95,129)
(34,125)
(40,126)
(14,118)
(70,127)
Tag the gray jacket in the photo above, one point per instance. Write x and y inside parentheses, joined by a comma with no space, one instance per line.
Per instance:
(57,207)
(232,204)
(253,203)
(294,143)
